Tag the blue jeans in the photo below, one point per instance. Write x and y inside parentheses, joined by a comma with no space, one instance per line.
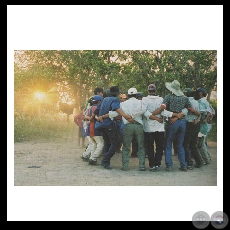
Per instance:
(176,130)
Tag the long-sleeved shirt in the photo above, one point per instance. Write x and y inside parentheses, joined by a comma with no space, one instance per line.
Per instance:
(209,107)
(191,116)
(151,103)
(133,107)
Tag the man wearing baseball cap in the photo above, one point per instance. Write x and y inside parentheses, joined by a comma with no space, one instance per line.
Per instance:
(191,134)
(133,107)
(153,128)
(201,97)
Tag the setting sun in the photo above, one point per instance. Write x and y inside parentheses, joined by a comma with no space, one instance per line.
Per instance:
(39,96)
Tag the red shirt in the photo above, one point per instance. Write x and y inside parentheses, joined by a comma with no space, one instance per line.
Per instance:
(78,119)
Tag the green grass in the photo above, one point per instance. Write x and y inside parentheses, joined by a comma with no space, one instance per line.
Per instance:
(45,127)
(28,128)
(212,136)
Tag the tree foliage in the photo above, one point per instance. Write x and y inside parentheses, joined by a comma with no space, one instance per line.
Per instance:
(83,70)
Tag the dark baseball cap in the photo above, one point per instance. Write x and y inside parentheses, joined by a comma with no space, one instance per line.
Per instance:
(201,90)
(188,90)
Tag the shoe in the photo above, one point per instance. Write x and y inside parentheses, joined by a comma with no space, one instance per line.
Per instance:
(183,169)
(153,169)
(169,169)
(134,155)
(85,159)
(204,163)
(118,151)
(190,167)
(157,168)
(142,169)
(124,168)
(92,162)
(197,166)
(107,167)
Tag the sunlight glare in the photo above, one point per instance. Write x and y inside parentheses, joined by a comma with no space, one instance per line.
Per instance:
(39,96)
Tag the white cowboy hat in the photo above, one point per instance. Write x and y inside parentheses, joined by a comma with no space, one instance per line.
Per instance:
(174,87)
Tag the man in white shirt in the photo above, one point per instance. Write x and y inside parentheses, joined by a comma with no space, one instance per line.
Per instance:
(154,129)
(133,107)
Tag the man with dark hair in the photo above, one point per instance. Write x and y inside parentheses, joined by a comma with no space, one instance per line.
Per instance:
(107,126)
(192,130)
(201,97)
(134,152)
(153,129)
(98,91)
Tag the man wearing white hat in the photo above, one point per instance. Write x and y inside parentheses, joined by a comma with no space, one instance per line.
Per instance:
(133,107)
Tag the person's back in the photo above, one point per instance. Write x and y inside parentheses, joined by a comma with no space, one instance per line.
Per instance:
(95,134)
(205,114)
(192,130)
(152,102)
(175,102)
(133,107)
(153,129)
(107,126)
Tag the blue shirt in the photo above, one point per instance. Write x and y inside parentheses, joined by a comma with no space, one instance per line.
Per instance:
(109,103)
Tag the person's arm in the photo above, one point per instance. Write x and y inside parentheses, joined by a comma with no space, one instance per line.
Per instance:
(159,110)
(196,112)
(210,119)
(110,114)
(153,117)
(207,117)
(196,121)
(126,116)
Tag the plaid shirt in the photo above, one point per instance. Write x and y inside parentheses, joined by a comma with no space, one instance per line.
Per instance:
(175,103)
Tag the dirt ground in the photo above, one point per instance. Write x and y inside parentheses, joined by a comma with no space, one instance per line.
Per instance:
(58,163)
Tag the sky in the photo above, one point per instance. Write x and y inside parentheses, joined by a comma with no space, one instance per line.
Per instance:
(113,27)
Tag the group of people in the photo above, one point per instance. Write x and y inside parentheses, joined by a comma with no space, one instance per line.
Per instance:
(152,126)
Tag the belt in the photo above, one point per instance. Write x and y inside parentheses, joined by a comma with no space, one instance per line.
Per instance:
(137,123)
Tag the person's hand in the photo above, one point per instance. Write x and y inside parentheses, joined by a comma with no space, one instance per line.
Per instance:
(129,119)
(196,121)
(180,115)
(160,120)
(173,119)
(204,121)
(100,119)
(210,120)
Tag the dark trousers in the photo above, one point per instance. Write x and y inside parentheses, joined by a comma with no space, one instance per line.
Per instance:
(190,144)
(111,141)
(154,155)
